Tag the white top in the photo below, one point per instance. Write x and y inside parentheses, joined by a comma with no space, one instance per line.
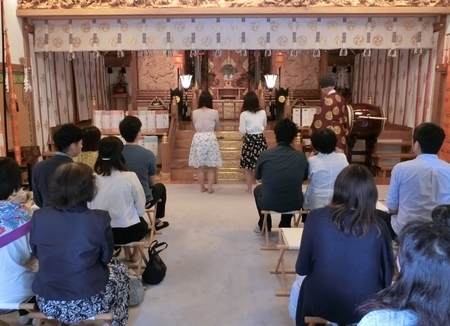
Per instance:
(122,195)
(323,171)
(387,317)
(17,271)
(205,120)
(252,123)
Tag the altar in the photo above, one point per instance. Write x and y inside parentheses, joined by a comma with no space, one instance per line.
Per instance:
(228,109)
(232,93)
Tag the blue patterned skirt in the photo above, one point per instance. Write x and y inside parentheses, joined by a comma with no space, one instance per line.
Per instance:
(113,299)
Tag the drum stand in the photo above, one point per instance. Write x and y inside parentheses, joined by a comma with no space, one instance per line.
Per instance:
(370,143)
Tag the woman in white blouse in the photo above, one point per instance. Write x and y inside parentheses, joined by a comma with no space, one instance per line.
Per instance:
(121,194)
(252,122)
(205,152)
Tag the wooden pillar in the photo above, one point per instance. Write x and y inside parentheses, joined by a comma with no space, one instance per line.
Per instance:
(133,80)
(323,63)
(165,158)
(441,73)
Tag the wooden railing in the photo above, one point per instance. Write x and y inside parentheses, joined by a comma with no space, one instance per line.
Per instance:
(167,146)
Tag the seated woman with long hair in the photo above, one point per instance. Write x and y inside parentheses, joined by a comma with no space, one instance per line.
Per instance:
(345,251)
(16,275)
(77,279)
(421,293)
(121,194)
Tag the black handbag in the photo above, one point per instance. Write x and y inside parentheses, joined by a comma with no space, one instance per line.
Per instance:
(155,270)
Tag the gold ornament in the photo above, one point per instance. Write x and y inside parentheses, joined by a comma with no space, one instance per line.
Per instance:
(281,99)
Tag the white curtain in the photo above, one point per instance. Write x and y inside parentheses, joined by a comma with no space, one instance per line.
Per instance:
(63,90)
(402,86)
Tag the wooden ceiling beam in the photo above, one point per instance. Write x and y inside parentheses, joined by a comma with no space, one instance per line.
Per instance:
(248,12)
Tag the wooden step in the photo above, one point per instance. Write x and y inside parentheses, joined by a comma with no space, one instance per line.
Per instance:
(393,155)
(384,170)
(223,175)
(386,142)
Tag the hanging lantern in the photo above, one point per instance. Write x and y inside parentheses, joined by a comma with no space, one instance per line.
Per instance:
(178,60)
(279,59)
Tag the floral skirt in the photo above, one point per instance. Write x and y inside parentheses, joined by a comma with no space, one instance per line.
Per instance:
(205,150)
(113,299)
(252,147)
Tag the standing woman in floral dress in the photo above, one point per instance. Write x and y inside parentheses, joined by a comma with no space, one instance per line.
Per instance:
(205,152)
(252,122)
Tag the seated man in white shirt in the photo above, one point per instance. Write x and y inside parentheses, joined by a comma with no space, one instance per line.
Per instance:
(419,185)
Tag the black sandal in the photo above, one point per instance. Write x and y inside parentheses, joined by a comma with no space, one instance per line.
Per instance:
(161,225)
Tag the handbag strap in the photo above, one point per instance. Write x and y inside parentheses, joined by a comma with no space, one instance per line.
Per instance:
(155,245)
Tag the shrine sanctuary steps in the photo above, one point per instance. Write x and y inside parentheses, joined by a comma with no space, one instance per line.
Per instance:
(394,145)
(230,143)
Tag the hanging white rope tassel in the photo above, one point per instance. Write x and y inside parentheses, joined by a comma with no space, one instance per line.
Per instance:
(120,53)
(268,51)
(343,52)
(26,80)
(393,50)
(145,52)
(418,48)
(218,28)
(243,51)
(70,55)
(6,78)
(316,51)
(95,39)
(294,26)
(367,51)
(169,52)
(46,48)
(194,51)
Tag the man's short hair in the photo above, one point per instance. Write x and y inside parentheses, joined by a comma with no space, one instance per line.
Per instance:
(285,131)
(129,128)
(430,137)
(11,177)
(66,135)
(324,141)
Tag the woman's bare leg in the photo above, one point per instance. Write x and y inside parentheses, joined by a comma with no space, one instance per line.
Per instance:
(210,179)
(201,178)
(249,180)
(136,254)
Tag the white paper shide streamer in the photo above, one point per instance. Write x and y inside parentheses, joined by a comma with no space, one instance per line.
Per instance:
(418,48)
(145,52)
(392,52)
(367,51)
(70,55)
(268,51)
(218,28)
(343,52)
(95,39)
(316,51)
(169,52)
(120,53)
(294,24)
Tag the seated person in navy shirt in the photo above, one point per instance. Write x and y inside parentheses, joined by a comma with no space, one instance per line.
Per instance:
(69,142)
(281,171)
(142,162)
